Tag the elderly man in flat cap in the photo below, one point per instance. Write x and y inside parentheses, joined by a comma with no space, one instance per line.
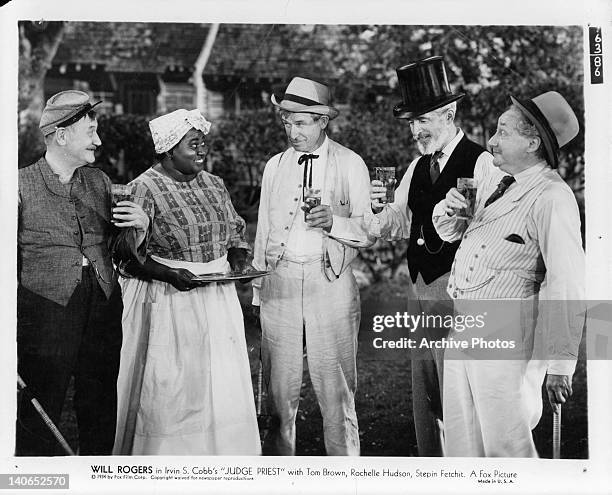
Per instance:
(69,302)
(309,227)
(521,265)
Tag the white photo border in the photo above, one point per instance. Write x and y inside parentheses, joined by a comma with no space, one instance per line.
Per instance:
(591,475)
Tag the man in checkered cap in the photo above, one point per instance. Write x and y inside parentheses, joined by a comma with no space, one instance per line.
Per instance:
(309,227)
(69,302)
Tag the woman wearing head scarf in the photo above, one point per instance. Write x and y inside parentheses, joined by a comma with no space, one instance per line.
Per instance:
(184,383)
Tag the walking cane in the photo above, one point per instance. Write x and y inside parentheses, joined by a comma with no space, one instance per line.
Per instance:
(557,434)
(45,417)
(441,435)
(259,388)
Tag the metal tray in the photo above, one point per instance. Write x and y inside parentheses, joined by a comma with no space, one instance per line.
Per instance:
(228,277)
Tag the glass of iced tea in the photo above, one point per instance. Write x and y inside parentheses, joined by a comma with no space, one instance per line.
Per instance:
(120,192)
(312,198)
(467,187)
(386,175)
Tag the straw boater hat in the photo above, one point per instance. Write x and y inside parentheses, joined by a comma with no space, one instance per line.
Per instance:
(554,119)
(306,95)
(424,88)
(64,109)
(169,129)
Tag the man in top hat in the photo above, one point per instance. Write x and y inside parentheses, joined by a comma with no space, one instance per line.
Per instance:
(69,302)
(311,297)
(429,106)
(523,246)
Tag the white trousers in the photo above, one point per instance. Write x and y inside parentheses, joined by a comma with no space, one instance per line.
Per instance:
(491,406)
(297,303)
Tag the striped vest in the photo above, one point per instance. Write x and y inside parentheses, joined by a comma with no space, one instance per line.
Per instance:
(487,265)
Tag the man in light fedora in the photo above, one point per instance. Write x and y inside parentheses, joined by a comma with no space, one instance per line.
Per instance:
(68,298)
(523,247)
(429,106)
(311,297)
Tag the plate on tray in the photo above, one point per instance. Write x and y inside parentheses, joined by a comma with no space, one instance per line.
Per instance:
(227,277)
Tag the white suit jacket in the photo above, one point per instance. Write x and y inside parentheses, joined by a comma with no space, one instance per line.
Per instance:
(525,245)
(346,189)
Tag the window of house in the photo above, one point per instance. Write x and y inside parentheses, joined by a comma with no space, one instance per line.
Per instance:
(179,95)
(108,103)
(140,101)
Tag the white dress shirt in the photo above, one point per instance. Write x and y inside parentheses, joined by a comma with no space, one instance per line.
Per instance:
(304,242)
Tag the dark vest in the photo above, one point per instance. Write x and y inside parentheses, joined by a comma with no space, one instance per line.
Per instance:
(57,227)
(435,257)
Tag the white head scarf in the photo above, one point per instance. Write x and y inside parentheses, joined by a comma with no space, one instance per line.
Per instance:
(169,129)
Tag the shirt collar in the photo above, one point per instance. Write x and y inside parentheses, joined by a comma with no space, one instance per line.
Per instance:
(321,150)
(528,173)
(450,147)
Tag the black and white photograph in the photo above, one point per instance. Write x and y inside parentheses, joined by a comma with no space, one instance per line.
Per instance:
(303,247)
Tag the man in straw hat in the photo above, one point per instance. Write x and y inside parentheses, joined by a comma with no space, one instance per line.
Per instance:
(523,246)
(69,302)
(311,297)
(429,106)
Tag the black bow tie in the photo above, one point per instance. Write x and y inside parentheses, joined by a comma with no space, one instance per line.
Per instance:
(305,157)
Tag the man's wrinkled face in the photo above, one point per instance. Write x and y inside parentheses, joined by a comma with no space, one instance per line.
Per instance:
(428,131)
(305,131)
(508,147)
(82,140)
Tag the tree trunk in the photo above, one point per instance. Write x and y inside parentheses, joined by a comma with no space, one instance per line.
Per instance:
(38,43)
(200,65)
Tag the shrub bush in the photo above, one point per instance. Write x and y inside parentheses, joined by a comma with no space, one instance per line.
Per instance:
(242,144)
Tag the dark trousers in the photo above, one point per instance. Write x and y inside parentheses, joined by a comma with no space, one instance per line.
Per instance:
(54,343)
(427,365)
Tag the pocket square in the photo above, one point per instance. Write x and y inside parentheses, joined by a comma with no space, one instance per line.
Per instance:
(515,238)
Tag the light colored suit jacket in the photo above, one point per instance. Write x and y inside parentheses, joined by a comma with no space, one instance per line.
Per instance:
(525,245)
(346,189)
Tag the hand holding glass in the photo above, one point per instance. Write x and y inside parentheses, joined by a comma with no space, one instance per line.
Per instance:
(120,192)
(386,175)
(467,187)
(312,198)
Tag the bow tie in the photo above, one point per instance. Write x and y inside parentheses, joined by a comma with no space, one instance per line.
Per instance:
(306,157)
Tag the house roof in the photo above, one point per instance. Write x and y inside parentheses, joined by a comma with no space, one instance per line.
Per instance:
(240,50)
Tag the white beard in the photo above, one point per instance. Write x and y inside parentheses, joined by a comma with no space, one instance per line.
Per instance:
(432,145)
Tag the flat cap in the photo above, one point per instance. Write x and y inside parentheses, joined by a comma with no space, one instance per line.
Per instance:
(64,109)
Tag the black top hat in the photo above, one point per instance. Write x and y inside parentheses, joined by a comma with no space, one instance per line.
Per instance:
(424,87)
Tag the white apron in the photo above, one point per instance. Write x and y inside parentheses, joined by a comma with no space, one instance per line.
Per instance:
(184,385)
